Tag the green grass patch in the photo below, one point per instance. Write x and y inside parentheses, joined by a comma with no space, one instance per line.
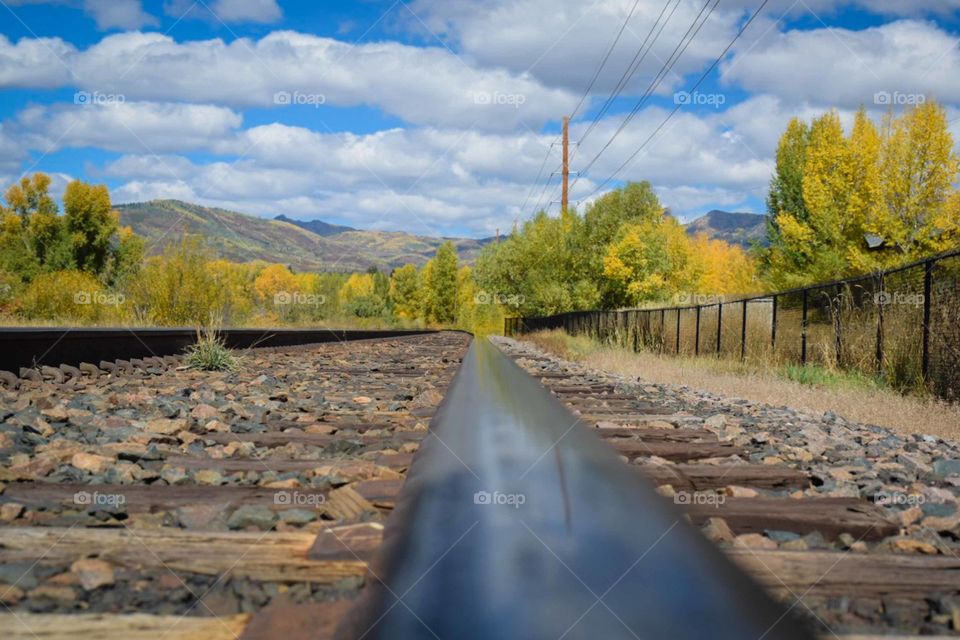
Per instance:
(817,376)
(210,353)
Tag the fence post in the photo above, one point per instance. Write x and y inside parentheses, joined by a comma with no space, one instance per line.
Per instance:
(773,324)
(927,293)
(743,333)
(803,328)
(878,298)
(837,327)
(663,330)
(696,346)
(678,330)
(719,324)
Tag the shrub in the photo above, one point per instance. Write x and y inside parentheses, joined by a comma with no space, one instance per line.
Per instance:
(70,296)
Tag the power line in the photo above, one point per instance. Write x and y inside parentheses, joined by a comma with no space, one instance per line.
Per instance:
(670,115)
(635,63)
(667,66)
(537,179)
(606,57)
(586,93)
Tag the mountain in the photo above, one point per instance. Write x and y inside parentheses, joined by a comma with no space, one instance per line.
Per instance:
(243,238)
(736,228)
(319,227)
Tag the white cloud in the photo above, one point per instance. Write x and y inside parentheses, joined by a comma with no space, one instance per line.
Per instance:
(34,62)
(124,126)
(421,85)
(119,14)
(563,45)
(840,67)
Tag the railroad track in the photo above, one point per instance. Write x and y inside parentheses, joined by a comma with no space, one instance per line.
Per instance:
(152,502)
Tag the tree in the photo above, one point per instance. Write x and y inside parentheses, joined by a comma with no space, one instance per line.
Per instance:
(178,287)
(724,268)
(440,285)
(30,229)
(893,184)
(91,225)
(276,285)
(358,296)
(651,260)
(786,186)
(917,167)
(405,292)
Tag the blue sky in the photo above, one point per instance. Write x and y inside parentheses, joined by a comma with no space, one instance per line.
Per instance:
(437,116)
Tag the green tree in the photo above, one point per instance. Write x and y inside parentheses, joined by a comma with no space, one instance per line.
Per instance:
(358,297)
(91,224)
(440,285)
(405,292)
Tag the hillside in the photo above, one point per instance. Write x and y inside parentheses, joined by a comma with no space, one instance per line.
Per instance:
(743,229)
(319,227)
(240,237)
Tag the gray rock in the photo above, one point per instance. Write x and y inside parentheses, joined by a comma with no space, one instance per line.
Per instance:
(297,516)
(252,516)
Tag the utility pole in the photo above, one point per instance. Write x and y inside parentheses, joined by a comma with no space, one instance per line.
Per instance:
(565,197)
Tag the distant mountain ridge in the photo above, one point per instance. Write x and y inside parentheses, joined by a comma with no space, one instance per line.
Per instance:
(304,245)
(744,229)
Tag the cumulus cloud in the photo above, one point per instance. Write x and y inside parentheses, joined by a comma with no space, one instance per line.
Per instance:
(422,85)
(124,126)
(843,67)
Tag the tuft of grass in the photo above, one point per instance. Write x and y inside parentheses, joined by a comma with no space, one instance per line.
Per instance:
(210,353)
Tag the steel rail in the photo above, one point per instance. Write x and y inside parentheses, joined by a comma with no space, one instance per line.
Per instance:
(35,346)
(517,522)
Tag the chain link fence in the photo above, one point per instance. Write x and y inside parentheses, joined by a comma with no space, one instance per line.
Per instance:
(901,325)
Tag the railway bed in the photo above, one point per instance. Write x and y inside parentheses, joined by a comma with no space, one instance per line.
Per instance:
(330,491)
(853,527)
(162,502)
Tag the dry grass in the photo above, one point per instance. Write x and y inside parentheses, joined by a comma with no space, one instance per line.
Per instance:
(855,399)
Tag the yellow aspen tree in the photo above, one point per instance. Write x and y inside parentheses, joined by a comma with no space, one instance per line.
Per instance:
(865,188)
(917,166)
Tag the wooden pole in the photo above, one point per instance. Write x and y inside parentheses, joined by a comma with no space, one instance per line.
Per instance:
(565,195)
